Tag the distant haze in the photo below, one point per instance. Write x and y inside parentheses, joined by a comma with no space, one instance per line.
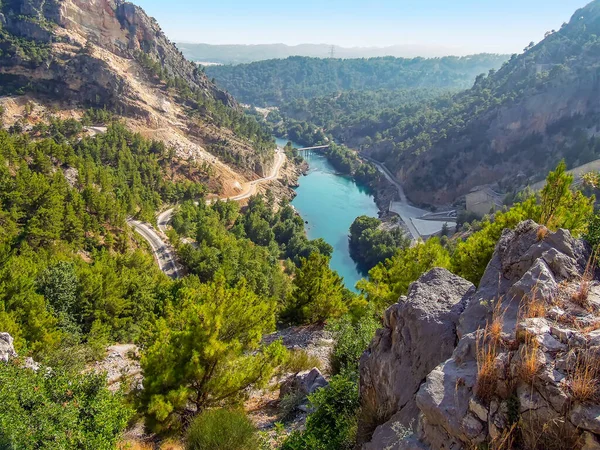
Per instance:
(238,54)
(424,27)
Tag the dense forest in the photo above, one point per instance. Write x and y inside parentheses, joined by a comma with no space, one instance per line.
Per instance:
(371,243)
(273,82)
(75,279)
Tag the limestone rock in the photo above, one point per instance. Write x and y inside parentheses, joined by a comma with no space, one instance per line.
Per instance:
(304,383)
(450,414)
(7,350)
(586,417)
(419,333)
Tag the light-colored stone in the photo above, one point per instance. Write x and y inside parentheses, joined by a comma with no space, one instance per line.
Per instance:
(7,349)
(419,333)
(473,428)
(562,334)
(550,344)
(304,383)
(478,409)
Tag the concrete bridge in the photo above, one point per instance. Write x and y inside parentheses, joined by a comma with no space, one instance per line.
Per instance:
(318,147)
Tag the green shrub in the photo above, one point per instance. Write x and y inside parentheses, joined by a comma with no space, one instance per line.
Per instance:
(300,360)
(352,337)
(288,405)
(593,234)
(58,410)
(332,425)
(222,429)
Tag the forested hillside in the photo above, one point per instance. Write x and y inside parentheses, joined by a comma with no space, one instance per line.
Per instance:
(354,113)
(519,120)
(270,83)
(107,54)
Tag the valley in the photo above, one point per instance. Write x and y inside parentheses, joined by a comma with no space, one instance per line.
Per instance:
(321,252)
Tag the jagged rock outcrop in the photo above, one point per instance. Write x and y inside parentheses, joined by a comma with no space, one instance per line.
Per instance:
(526,369)
(419,333)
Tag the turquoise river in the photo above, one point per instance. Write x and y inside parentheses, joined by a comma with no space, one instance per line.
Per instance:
(330,202)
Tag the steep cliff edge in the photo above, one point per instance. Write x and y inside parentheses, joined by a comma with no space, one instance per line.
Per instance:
(75,54)
(525,370)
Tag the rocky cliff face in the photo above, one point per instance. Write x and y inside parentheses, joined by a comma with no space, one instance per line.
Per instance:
(515,364)
(76,54)
(420,331)
(119,27)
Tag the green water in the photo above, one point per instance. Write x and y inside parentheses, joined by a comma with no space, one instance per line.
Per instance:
(329,203)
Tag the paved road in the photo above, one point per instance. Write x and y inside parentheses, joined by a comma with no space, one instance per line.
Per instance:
(402,208)
(163,252)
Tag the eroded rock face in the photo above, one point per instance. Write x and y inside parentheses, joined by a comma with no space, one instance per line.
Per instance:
(7,350)
(546,331)
(419,333)
(119,27)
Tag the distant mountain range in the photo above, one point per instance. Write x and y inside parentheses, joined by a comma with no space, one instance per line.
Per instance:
(238,54)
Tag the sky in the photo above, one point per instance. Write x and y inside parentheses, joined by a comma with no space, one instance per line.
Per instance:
(461,26)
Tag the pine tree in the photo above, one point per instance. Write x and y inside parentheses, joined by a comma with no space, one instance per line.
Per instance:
(318,292)
(207,350)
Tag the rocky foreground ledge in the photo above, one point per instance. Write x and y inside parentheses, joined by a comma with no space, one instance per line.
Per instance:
(515,363)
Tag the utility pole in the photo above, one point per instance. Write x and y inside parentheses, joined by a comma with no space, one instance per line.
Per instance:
(332,52)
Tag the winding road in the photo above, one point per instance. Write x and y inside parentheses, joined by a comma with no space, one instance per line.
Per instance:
(162,249)
(402,207)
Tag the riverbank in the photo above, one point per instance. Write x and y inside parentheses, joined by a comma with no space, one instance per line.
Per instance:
(329,203)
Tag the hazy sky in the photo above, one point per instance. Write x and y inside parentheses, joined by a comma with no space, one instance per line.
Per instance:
(464,26)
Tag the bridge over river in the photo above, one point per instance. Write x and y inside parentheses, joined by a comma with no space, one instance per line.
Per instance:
(318,147)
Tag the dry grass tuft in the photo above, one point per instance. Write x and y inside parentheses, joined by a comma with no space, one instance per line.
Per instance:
(584,382)
(487,376)
(530,364)
(542,232)
(533,307)
(581,294)
(486,350)
(554,434)
(299,360)
(494,329)
(507,440)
